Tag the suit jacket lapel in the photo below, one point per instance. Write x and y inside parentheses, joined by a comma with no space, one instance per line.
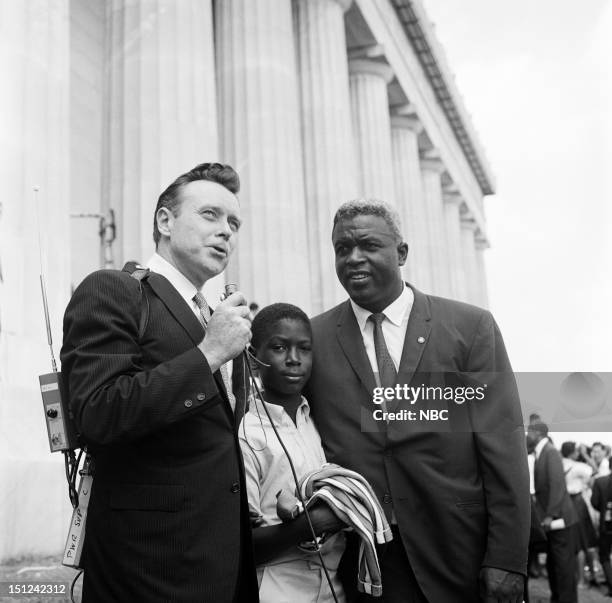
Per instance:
(418,329)
(184,316)
(419,326)
(239,388)
(538,468)
(351,342)
(540,457)
(176,306)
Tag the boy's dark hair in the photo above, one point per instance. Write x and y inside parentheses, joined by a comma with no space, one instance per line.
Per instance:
(270,315)
(214,172)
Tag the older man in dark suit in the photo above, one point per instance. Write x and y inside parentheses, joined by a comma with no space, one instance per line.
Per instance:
(456,493)
(153,401)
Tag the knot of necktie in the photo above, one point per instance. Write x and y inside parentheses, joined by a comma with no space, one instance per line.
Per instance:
(377,318)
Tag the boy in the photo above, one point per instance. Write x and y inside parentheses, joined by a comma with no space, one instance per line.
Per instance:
(282,342)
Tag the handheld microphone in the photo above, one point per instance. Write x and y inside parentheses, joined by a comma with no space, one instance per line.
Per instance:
(229,289)
(250,351)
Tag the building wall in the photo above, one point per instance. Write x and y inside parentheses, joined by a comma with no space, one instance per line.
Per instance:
(314,102)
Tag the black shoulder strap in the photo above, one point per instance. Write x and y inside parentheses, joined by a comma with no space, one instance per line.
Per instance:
(140,273)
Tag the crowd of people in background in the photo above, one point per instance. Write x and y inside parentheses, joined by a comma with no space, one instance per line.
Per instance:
(571,490)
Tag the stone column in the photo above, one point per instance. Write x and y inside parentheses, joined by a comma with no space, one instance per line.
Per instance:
(480,246)
(34,106)
(87,75)
(328,147)
(468,254)
(410,199)
(452,218)
(372,128)
(260,132)
(161,117)
(431,170)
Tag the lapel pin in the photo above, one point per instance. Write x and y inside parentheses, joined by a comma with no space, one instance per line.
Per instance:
(421,339)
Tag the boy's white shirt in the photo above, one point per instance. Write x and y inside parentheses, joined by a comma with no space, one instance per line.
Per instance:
(295,575)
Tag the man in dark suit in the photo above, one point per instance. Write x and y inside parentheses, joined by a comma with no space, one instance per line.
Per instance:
(601,499)
(152,399)
(456,492)
(555,509)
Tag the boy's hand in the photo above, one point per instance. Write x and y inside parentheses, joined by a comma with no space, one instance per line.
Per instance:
(288,507)
(255,518)
(324,520)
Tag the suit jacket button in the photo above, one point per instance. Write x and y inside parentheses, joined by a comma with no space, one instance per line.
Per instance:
(235,488)
(387,498)
(188,403)
(388,452)
(201,397)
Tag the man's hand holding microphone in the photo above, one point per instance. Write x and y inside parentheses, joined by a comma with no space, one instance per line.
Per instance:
(228,331)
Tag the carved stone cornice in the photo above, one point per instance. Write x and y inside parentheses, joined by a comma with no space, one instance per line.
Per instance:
(369,67)
(407,122)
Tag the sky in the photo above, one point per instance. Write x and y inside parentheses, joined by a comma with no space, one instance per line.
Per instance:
(536,78)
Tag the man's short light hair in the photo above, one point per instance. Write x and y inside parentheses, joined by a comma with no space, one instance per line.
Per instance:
(370,207)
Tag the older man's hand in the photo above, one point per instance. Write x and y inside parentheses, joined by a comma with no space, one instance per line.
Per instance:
(500,586)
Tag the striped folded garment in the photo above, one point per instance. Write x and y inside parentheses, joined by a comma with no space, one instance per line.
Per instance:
(352,500)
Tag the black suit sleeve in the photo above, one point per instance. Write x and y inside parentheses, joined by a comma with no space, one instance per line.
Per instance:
(596,495)
(558,488)
(114,396)
(500,443)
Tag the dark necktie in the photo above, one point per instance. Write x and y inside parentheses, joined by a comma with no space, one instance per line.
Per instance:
(204,317)
(387,374)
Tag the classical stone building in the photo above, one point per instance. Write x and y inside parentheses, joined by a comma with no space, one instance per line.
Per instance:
(314,102)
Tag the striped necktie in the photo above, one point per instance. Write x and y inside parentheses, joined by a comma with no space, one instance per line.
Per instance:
(387,375)
(204,317)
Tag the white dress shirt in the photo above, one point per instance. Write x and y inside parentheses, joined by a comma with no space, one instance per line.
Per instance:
(394,327)
(539,446)
(531,465)
(577,475)
(603,469)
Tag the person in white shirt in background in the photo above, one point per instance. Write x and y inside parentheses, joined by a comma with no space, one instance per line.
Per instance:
(578,479)
(599,453)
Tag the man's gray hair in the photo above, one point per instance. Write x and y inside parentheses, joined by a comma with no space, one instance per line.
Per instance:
(370,207)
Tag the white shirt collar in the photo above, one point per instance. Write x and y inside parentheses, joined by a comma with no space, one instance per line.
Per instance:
(278,412)
(395,312)
(540,445)
(178,280)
